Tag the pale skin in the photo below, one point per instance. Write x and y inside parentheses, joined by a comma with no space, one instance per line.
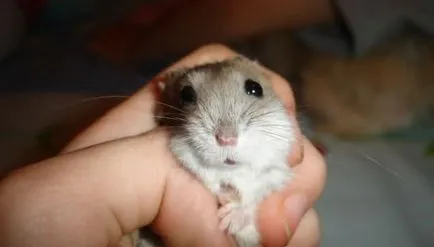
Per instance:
(118,175)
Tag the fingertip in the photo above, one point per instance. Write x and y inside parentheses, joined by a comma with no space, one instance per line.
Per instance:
(308,233)
(271,223)
(279,217)
(281,214)
(294,207)
(296,155)
(283,90)
(216,49)
(209,53)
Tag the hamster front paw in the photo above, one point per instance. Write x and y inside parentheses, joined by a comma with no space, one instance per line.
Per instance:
(239,221)
(227,194)
(233,217)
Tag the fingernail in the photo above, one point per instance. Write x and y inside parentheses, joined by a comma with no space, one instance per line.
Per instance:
(287,230)
(295,206)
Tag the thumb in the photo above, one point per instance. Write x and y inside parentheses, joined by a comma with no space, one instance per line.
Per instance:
(281,213)
(188,214)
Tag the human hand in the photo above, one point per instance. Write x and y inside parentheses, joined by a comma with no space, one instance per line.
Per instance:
(113,179)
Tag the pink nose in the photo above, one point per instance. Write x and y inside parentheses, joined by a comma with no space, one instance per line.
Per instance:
(223,140)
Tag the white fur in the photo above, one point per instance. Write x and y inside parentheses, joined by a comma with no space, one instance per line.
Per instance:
(265,139)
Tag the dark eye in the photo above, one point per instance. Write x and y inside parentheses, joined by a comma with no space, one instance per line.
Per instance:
(253,88)
(188,95)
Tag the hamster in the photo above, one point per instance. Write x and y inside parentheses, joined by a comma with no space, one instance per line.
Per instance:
(231,131)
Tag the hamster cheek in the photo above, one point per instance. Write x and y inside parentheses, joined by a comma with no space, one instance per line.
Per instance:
(277,179)
(254,149)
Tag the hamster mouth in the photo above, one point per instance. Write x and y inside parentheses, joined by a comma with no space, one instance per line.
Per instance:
(230,162)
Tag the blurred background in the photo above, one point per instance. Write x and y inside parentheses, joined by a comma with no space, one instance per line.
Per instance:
(362,73)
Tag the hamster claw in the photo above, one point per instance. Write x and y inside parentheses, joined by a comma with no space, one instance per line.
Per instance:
(232,217)
(227,195)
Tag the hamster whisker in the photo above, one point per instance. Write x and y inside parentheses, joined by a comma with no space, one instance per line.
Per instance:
(377,163)
(255,116)
(304,106)
(258,123)
(277,137)
(105,97)
(310,112)
(275,129)
(169,114)
(172,127)
(205,112)
(171,106)
(200,131)
(249,108)
(274,135)
(90,99)
(171,118)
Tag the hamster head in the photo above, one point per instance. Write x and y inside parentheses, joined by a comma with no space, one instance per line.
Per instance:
(226,115)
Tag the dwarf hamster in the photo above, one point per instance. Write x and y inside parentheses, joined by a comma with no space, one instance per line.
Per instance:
(230,130)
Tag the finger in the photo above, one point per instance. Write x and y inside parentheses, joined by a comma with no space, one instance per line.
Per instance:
(308,233)
(135,115)
(88,197)
(280,214)
(195,210)
(284,92)
(130,118)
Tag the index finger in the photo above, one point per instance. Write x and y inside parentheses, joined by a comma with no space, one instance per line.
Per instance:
(277,213)
(135,115)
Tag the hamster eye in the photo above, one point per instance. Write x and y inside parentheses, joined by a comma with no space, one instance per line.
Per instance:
(253,88)
(188,95)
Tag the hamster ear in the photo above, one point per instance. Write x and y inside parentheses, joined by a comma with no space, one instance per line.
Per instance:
(160,81)
(171,77)
(161,85)
(170,85)
(243,60)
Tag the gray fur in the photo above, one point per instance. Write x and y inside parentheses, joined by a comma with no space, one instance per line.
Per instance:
(266,135)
